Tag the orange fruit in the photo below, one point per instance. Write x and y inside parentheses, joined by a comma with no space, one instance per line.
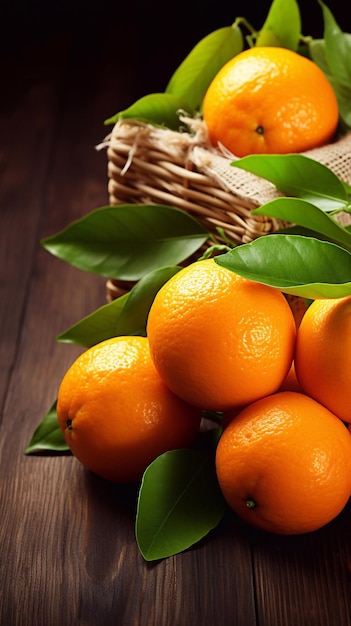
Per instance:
(284,464)
(220,341)
(270,100)
(117,415)
(323,354)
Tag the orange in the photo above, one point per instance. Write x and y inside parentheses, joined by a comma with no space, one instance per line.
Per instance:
(220,341)
(117,415)
(284,464)
(323,354)
(270,100)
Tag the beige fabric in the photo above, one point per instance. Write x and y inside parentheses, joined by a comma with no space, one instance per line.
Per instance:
(196,148)
(182,169)
(336,156)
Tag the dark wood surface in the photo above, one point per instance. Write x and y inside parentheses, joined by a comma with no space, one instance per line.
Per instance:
(68,555)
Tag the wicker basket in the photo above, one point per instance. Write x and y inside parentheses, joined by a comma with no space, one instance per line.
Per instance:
(182,169)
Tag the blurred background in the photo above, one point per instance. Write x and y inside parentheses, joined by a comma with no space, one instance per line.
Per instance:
(157,35)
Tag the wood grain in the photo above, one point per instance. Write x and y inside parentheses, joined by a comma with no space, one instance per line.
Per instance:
(68,550)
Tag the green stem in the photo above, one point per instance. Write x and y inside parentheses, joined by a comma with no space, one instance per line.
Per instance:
(243,21)
(216,248)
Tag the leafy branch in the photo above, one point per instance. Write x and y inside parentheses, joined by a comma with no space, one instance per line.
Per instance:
(187,86)
(312,258)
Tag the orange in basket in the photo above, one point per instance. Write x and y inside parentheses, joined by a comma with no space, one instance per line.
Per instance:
(270,100)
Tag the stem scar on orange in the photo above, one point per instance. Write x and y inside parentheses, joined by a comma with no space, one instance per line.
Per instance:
(117,415)
(284,464)
(270,100)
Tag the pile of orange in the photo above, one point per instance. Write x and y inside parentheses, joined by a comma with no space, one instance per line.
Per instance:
(284,462)
(220,342)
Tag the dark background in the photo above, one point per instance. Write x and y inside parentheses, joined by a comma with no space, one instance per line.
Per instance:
(158,34)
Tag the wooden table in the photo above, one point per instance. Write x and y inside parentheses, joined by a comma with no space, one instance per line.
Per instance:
(68,552)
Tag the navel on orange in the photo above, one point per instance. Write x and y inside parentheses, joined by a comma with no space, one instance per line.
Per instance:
(284,464)
(270,100)
(220,341)
(117,415)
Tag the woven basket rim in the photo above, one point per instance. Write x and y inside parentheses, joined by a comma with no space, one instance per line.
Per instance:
(148,164)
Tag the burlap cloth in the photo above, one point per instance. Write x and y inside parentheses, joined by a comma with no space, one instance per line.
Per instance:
(132,143)
(336,156)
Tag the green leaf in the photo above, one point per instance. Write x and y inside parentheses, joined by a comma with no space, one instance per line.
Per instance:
(48,436)
(192,78)
(337,48)
(294,229)
(96,327)
(299,175)
(188,84)
(343,95)
(297,265)
(317,53)
(134,314)
(128,241)
(282,26)
(332,55)
(179,502)
(309,216)
(160,109)
(127,315)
